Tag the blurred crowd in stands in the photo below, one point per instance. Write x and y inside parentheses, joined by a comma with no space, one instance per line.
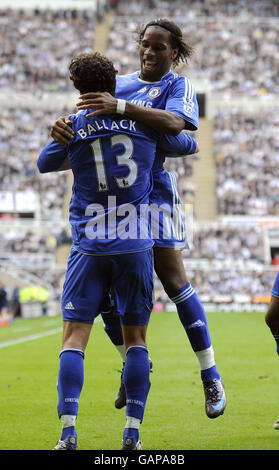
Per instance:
(187,9)
(236,56)
(236,52)
(27,239)
(221,243)
(184,168)
(227,285)
(228,244)
(247,159)
(223,260)
(37,46)
(23,133)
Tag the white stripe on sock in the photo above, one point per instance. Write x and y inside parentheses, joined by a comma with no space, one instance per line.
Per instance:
(206,358)
(132,422)
(72,349)
(183,296)
(68,420)
(185,291)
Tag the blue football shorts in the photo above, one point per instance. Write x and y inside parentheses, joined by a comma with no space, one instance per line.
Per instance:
(90,280)
(168,225)
(275,288)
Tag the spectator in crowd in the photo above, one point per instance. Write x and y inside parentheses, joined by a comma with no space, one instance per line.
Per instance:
(275,259)
(15,302)
(3,303)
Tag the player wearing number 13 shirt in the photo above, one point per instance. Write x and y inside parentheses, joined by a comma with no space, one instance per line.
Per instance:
(111,158)
(161,48)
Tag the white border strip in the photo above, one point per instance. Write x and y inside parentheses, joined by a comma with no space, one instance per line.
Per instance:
(30,338)
(37,335)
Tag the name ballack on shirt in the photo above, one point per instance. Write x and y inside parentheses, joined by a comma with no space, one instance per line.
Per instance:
(91,127)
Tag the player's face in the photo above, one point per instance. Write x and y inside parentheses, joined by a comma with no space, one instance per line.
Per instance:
(156,54)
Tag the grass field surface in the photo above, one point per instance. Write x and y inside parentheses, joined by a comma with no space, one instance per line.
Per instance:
(175,419)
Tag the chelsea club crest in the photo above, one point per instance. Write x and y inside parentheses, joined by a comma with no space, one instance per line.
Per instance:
(154,92)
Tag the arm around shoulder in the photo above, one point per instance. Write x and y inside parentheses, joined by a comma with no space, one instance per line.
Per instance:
(160,120)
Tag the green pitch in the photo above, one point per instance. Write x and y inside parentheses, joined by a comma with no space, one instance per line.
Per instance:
(175,418)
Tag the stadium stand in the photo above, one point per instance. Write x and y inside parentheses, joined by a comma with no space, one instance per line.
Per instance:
(238,54)
(30,59)
(246,152)
(23,131)
(230,190)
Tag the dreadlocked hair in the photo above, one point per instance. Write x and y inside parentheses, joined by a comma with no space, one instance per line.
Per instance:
(93,72)
(177,41)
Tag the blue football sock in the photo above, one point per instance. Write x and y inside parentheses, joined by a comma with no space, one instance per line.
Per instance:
(192,317)
(69,431)
(132,433)
(70,381)
(210,374)
(194,321)
(136,380)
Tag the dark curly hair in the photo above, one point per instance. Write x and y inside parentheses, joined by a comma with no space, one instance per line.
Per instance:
(177,41)
(93,72)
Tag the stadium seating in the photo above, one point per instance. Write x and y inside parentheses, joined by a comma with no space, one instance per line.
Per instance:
(30,59)
(246,154)
(235,63)
(237,56)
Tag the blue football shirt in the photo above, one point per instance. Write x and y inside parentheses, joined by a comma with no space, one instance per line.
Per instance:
(173,93)
(111,158)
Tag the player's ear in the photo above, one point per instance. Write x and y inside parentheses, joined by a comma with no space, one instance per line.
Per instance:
(174,54)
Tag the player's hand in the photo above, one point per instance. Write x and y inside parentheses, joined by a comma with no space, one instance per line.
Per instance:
(103,103)
(61,131)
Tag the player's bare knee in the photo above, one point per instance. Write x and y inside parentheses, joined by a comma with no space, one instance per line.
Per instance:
(134,335)
(271,318)
(172,284)
(173,278)
(169,267)
(75,335)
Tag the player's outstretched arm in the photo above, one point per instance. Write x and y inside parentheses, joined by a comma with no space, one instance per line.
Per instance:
(177,146)
(53,157)
(158,119)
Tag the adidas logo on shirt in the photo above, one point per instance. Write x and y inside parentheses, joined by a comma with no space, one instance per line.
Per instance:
(142,90)
(69,306)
